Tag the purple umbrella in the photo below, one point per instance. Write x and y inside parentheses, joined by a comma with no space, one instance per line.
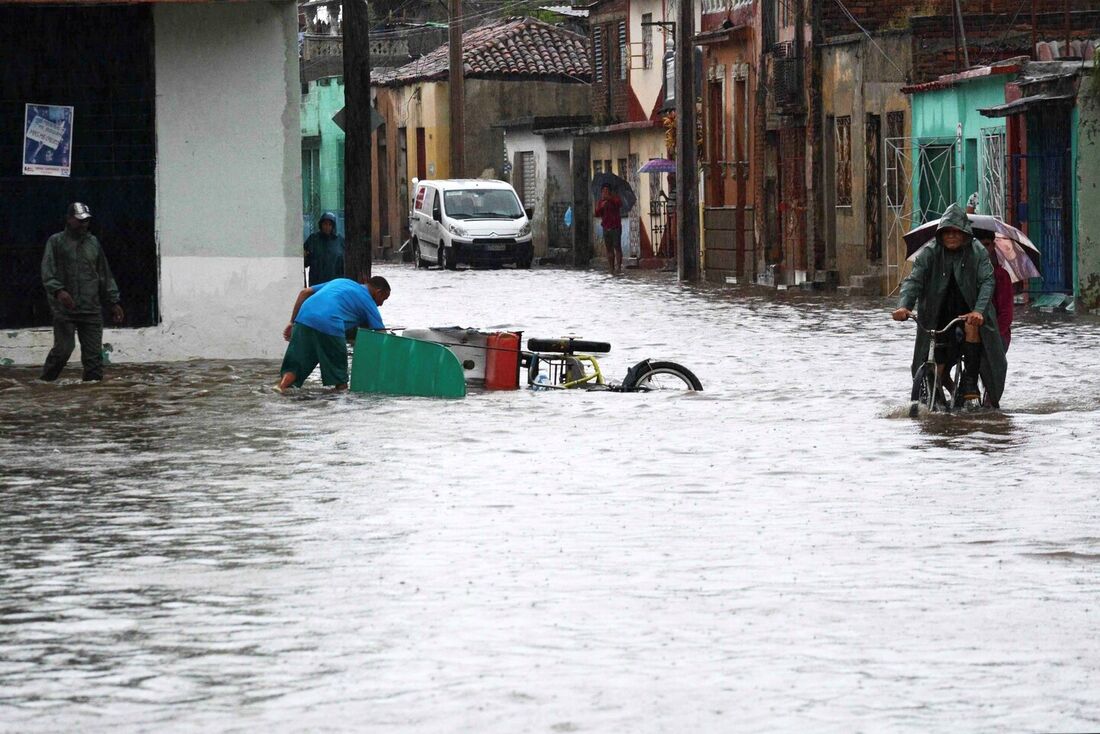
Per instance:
(658,165)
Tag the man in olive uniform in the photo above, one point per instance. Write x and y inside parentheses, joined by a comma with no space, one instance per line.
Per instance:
(954,277)
(78,281)
(324,252)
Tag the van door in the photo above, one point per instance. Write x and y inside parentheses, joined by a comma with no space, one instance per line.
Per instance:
(422,218)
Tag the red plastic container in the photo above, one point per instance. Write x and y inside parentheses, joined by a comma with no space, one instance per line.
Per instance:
(502,360)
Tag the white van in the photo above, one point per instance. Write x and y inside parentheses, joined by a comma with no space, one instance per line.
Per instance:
(471,221)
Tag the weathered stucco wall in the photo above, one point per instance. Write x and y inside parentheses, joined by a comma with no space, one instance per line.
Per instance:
(647,83)
(1088,193)
(228,180)
(489,101)
(858,80)
(325,99)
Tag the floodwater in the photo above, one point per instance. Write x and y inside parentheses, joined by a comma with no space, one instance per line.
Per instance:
(182,549)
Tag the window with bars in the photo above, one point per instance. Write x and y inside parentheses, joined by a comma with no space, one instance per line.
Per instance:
(624,51)
(895,161)
(785,12)
(844,161)
(647,41)
(597,53)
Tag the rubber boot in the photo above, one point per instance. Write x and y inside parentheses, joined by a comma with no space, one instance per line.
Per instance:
(972,362)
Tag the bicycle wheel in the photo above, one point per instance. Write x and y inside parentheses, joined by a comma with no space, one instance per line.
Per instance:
(924,390)
(664,376)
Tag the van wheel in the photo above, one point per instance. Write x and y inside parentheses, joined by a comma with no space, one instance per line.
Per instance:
(446,258)
(418,258)
(525,263)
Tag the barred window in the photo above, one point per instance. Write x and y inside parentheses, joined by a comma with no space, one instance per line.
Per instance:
(844,161)
(647,41)
(895,161)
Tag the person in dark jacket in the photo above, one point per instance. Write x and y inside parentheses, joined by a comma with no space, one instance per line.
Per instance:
(324,251)
(78,284)
(950,278)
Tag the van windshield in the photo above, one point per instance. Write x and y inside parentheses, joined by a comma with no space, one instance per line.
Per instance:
(482,204)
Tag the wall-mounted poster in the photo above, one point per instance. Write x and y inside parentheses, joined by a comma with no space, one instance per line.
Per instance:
(47,140)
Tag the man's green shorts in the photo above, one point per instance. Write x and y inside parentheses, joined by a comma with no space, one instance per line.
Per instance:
(307,348)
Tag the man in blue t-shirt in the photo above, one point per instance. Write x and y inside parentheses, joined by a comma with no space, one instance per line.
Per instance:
(322,315)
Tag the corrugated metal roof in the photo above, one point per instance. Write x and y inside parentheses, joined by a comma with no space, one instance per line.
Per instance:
(1024,104)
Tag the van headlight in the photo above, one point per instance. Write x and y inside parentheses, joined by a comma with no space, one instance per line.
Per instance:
(525,229)
(457,231)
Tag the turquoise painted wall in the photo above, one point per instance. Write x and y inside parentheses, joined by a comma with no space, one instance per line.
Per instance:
(322,153)
(935,118)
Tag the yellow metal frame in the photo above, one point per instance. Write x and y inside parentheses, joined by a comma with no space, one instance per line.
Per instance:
(595,374)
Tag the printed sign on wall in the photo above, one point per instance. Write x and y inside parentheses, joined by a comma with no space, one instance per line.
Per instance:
(47,140)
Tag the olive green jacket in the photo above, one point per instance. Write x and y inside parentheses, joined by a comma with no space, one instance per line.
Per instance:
(926,286)
(79,267)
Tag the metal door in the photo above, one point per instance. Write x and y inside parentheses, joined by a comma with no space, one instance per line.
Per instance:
(76,56)
(634,221)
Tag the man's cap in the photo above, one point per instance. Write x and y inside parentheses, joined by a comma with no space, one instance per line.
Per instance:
(80,211)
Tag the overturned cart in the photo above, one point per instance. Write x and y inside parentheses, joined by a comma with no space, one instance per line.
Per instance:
(437,362)
(442,362)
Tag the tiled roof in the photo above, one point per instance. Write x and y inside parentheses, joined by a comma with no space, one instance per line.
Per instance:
(516,48)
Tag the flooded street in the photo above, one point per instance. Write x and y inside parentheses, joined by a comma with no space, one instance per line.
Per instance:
(182,548)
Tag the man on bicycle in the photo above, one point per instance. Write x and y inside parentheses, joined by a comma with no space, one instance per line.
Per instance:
(954,277)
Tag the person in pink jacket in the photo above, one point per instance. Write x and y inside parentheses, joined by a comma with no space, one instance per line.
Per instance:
(1002,292)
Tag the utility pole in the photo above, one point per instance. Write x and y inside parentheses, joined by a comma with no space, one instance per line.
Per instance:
(687,189)
(457,92)
(358,205)
(1034,52)
(1067,52)
(962,35)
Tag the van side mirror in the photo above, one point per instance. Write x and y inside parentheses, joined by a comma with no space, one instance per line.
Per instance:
(530,212)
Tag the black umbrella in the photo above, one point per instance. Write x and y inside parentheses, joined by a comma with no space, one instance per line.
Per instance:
(618,186)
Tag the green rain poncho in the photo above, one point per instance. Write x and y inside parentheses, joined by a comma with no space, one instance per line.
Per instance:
(926,287)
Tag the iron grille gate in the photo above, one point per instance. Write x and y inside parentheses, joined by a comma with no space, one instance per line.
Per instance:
(1039,187)
(936,166)
(991,191)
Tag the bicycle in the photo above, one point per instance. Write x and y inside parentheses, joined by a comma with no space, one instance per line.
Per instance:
(569,363)
(928,382)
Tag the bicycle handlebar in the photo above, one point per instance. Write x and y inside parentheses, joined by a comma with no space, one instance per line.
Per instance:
(937,332)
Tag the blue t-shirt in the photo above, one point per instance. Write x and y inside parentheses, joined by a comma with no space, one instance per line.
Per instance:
(338,306)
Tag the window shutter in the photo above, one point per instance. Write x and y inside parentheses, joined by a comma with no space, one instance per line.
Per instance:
(597,53)
(624,60)
(527,177)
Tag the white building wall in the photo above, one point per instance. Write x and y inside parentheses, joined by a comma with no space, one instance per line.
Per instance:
(228,179)
(525,141)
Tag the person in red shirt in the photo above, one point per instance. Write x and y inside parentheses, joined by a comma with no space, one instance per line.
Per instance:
(609,210)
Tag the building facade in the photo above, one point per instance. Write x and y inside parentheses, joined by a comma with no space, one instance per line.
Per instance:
(514,68)
(191,167)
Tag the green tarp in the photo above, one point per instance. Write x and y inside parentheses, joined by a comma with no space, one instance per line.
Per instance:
(393,365)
